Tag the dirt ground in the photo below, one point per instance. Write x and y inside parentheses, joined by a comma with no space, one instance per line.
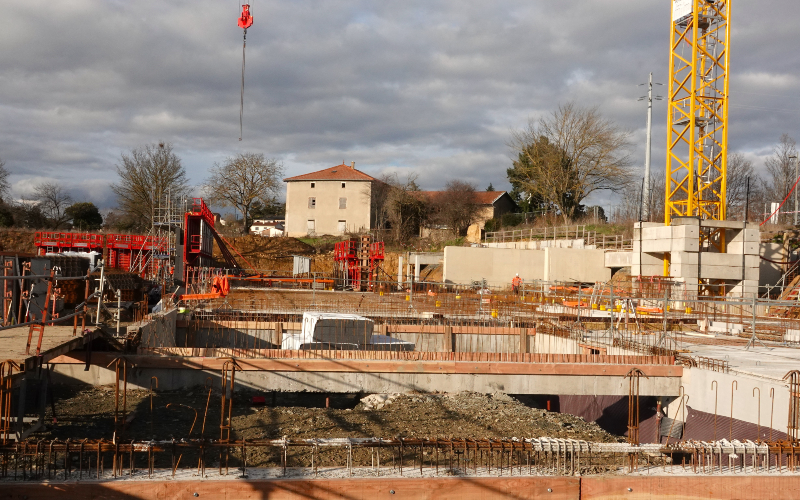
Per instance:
(89,413)
(17,240)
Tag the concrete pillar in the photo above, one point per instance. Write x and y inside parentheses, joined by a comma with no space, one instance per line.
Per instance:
(523,340)
(400,272)
(277,335)
(416,268)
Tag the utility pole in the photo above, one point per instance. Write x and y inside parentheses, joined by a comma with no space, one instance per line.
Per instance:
(646,189)
(795,190)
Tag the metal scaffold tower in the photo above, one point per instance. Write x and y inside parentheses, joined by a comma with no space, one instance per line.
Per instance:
(698,109)
(156,260)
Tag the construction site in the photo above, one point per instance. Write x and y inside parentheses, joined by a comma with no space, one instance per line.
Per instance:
(662,364)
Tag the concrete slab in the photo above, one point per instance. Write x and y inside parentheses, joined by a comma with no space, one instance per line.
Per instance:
(618,259)
(56,340)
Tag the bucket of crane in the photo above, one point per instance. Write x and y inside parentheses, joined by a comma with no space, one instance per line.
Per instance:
(246,19)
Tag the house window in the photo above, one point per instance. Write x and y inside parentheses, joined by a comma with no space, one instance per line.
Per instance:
(343,185)
(311,227)
(342,203)
(313,185)
(342,226)
(312,202)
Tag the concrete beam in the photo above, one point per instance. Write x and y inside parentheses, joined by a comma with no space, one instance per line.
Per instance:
(375,376)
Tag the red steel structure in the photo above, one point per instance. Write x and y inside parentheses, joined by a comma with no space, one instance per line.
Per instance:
(358,262)
(127,252)
(198,236)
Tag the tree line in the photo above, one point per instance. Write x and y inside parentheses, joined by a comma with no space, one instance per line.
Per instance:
(49,207)
(747,190)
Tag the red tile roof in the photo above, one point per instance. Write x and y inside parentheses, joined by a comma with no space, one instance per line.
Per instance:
(338,173)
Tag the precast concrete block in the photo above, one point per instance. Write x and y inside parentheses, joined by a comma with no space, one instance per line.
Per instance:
(748,248)
(728,272)
(745,235)
(685,232)
(685,221)
(683,270)
(745,288)
(656,233)
(647,259)
(752,261)
(687,244)
(721,224)
(657,245)
(618,259)
(721,259)
(685,258)
(647,270)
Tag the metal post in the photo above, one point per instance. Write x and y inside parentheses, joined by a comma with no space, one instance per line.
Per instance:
(646,190)
(100,297)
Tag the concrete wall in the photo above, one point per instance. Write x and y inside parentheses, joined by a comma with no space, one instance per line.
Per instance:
(569,264)
(540,244)
(697,384)
(770,272)
(351,382)
(160,330)
(499,265)
(327,214)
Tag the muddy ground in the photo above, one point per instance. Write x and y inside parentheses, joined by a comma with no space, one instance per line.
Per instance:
(89,413)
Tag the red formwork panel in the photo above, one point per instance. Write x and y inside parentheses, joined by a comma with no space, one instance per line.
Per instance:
(200,208)
(198,236)
(65,242)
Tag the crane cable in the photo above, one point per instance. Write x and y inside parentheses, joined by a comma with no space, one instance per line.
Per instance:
(241,103)
(245,21)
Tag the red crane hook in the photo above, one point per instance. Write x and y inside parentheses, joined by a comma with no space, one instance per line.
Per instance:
(246,19)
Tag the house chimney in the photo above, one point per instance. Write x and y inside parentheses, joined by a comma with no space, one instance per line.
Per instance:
(352,164)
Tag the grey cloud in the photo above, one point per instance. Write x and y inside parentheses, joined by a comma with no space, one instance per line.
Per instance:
(429,87)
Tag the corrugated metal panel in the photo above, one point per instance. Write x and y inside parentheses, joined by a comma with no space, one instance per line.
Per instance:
(700,426)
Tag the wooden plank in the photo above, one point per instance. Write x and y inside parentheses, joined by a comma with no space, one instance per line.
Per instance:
(750,487)
(56,341)
(473,488)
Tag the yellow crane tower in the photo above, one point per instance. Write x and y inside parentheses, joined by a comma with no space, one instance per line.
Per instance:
(697,131)
(697,110)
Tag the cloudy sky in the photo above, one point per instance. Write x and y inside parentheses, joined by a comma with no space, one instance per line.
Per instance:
(426,87)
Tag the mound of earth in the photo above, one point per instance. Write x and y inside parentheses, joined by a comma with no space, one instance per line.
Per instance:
(265,253)
(17,241)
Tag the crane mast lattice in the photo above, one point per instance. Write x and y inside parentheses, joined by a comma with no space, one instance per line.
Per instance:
(698,110)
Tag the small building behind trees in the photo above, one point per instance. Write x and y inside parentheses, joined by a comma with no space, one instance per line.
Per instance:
(472,210)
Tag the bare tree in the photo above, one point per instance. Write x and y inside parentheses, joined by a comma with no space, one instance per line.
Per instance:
(146,176)
(781,168)
(53,200)
(5,187)
(739,169)
(569,154)
(455,207)
(377,194)
(405,210)
(243,180)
